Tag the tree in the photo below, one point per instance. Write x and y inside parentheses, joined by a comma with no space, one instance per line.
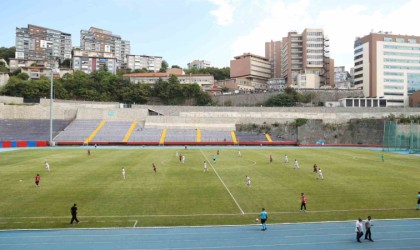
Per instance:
(176,67)
(164,66)
(7,53)
(281,100)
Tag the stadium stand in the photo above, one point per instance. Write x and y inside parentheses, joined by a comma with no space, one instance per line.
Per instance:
(112,131)
(250,137)
(215,136)
(37,130)
(145,135)
(78,131)
(180,135)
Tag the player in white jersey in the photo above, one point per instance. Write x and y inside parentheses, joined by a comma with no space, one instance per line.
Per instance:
(205,166)
(286,159)
(296,164)
(248,181)
(320,175)
(239,153)
(123,172)
(47,166)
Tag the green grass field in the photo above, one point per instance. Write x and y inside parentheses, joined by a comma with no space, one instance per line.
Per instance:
(357,183)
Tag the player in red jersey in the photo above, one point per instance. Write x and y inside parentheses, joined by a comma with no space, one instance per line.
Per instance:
(154,167)
(37,180)
(303,202)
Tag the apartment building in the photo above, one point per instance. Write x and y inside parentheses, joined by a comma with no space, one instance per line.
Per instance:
(104,41)
(17,63)
(91,61)
(151,63)
(36,42)
(199,64)
(273,54)
(387,66)
(250,71)
(342,78)
(305,61)
(205,81)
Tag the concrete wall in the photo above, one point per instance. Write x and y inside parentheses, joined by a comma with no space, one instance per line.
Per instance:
(112,114)
(35,112)
(176,122)
(67,104)
(259,98)
(11,99)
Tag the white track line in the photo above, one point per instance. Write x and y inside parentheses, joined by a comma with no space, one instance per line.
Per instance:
(227,189)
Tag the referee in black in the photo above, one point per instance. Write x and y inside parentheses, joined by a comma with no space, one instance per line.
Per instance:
(73,211)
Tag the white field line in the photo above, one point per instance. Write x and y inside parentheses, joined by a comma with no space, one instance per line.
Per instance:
(135,223)
(227,189)
(198,215)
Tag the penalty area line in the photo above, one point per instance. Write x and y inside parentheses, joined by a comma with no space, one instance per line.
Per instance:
(227,189)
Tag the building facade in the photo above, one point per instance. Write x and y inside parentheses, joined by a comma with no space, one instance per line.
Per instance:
(91,61)
(205,81)
(151,63)
(305,61)
(388,66)
(104,41)
(17,63)
(273,54)
(342,78)
(36,42)
(251,71)
(199,64)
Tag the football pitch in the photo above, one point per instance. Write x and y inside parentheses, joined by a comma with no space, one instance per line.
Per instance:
(356,183)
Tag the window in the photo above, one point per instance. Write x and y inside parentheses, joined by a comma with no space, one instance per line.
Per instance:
(400,40)
(393,74)
(358,50)
(401,47)
(388,39)
(358,63)
(401,67)
(358,76)
(394,80)
(358,57)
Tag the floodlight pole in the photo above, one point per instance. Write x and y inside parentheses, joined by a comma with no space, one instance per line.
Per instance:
(51,107)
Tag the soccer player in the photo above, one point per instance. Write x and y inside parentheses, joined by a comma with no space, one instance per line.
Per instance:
(239,153)
(183,159)
(73,211)
(248,181)
(359,230)
(382,157)
(218,152)
(214,159)
(315,169)
(205,166)
(177,154)
(37,180)
(47,166)
(296,164)
(418,201)
(154,167)
(320,175)
(180,158)
(286,159)
(271,159)
(303,202)
(123,172)
(368,226)
(88,151)
(263,217)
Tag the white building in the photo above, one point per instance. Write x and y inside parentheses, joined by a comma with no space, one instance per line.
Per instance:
(388,66)
(199,64)
(151,63)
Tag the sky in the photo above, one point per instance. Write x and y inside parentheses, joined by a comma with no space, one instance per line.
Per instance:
(215,30)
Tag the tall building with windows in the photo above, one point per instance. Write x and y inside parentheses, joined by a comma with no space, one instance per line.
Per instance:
(388,66)
(101,40)
(273,54)
(305,61)
(36,42)
(151,63)
(250,71)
